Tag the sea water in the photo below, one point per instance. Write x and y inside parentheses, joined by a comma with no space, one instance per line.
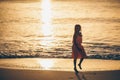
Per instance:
(45,28)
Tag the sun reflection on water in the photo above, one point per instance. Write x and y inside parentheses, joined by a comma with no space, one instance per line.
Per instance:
(46,11)
(46,64)
(46,18)
(47,29)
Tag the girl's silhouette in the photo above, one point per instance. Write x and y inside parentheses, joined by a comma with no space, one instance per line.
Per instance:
(77,48)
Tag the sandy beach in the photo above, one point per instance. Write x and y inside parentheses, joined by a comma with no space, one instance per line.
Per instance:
(18,74)
(58,69)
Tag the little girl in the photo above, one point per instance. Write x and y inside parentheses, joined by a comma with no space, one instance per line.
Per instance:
(77,48)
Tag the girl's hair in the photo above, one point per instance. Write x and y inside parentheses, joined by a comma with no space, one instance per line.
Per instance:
(77,26)
(76,32)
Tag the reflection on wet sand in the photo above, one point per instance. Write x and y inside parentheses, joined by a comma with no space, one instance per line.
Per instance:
(46,63)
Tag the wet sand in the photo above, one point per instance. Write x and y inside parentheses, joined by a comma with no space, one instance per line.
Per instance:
(60,69)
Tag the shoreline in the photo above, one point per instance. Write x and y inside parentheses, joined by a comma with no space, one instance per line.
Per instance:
(59,64)
(95,56)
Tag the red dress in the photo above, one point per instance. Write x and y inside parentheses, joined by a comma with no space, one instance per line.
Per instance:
(75,52)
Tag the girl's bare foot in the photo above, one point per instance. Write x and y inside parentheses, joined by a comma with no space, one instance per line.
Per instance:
(75,70)
(79,66)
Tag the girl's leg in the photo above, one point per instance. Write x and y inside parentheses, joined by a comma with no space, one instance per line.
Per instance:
(75,69)
(75,63)
(81,60)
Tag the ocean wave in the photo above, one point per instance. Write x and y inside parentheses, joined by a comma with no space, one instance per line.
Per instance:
(36,54)
(22,49)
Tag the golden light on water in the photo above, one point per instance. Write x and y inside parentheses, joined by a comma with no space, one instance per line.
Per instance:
(46,11)
(47,30)
(46,63)
(46,18)
(46,41)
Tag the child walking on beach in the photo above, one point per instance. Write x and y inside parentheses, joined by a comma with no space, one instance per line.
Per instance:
(77,48)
